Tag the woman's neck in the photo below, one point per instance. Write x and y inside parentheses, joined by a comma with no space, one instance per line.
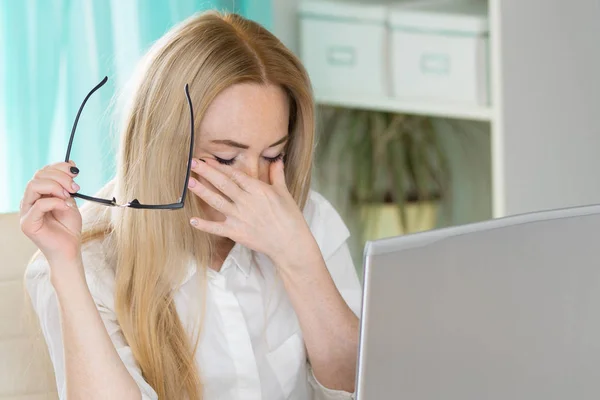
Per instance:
(222,248)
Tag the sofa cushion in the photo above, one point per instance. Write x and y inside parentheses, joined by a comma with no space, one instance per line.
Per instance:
(25,371)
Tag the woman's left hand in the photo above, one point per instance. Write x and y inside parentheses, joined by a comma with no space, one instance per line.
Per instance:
(263,217)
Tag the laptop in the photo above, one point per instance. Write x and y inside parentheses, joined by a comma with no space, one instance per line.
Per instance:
(503,309)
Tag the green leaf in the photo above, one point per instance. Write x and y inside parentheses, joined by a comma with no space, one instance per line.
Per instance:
(364,156)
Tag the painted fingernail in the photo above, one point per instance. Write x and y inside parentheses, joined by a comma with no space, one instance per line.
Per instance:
(192,183)
(74,170)
(67,194)
(75,186)
(194,222)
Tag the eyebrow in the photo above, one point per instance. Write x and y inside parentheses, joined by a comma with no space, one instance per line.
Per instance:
(245,146)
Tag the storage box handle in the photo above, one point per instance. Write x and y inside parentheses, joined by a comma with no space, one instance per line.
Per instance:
(435,64)
(341,55)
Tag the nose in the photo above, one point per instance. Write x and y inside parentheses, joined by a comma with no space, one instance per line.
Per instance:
(252,168)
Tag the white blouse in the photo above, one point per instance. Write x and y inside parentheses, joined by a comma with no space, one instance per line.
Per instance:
(251,346)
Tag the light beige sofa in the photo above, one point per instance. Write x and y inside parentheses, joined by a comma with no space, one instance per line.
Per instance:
(25,369)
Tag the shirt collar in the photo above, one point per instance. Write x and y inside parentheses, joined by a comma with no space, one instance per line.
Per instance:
(240,256)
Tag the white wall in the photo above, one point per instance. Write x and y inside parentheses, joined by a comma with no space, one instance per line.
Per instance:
(285,24)
(549,103)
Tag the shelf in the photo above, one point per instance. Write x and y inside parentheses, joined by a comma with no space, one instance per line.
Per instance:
(478,113)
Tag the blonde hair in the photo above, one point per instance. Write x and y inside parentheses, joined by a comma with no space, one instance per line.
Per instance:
(153,249)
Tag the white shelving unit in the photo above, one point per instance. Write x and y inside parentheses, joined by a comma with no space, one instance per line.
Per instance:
(399,106)
(544,122)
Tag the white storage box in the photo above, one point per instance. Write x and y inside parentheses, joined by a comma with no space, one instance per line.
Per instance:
(440,52)
(343,46)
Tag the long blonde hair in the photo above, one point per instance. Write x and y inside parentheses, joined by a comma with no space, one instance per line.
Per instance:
(153,249)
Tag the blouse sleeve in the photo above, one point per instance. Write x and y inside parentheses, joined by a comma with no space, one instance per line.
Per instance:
(45,303)
(332,234)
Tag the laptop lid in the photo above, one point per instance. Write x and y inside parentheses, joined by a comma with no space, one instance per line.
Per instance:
(503,309)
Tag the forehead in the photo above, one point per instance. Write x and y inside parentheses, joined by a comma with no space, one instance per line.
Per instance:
(247,112)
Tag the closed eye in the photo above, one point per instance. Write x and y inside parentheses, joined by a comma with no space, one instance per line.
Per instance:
(274,159)
(225,161)
(230,161)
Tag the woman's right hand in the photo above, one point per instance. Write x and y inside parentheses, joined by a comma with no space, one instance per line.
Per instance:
(49,216)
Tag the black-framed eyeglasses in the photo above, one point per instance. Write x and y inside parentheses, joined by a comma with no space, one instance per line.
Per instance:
(135,203)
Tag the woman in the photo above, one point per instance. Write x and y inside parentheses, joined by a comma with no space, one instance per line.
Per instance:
(249,291)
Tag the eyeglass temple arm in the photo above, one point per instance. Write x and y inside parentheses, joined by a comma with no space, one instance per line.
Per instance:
(187,175)
(112,202)
(190,155)
(98,86)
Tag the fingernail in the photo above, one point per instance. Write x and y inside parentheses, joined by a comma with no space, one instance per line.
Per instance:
(74,170)
(194,222)
(192,183)
(194,163)
(75,186)
(68,204)
(67,194)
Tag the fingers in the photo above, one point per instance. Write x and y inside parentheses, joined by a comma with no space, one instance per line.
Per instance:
(215,200)
(69,168)
(42,187)
(215,172)
(216,228)
(64,179)
(34,219)
(277,175)
(49,181)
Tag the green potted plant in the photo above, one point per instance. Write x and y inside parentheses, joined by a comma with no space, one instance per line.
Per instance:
(385,172)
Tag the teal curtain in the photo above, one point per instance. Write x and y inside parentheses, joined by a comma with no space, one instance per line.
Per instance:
(52,52)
